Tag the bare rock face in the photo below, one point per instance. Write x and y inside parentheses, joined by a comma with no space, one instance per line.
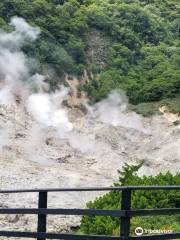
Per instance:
(34,158)
(171,117)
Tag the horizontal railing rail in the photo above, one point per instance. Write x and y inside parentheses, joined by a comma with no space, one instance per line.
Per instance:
(91,189)
(58,211)
(125,213)
(42,235)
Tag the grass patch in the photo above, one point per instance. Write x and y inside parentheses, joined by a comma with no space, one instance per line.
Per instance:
(152,108)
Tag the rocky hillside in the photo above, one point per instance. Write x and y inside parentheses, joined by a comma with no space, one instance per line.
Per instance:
(32,158)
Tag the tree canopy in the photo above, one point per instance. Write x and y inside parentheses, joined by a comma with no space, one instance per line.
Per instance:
(128,44)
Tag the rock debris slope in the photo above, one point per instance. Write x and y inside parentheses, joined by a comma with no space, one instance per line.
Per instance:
(35,160)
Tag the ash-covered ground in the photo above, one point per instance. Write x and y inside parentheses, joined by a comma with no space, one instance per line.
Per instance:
(36,158)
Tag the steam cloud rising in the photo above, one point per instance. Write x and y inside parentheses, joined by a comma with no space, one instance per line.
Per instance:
(13,63)
(45,107)
(113,111)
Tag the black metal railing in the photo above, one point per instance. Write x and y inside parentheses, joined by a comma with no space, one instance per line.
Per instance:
(125,213)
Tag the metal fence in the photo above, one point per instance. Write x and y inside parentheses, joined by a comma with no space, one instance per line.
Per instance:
(125,213)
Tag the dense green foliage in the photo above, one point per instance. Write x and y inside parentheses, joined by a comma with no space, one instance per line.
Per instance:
(128,44)
(140,200)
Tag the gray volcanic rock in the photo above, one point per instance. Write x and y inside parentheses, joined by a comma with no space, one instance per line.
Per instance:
(34,158)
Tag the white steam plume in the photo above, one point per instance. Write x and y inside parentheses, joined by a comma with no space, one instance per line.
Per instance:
(13,62)
(45,108)
(114,111)
(23,31)
(47,111)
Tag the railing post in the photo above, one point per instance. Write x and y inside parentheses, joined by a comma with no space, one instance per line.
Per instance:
(42,203)
(125,221)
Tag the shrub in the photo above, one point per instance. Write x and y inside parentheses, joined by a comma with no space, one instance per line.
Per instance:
(140,199)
